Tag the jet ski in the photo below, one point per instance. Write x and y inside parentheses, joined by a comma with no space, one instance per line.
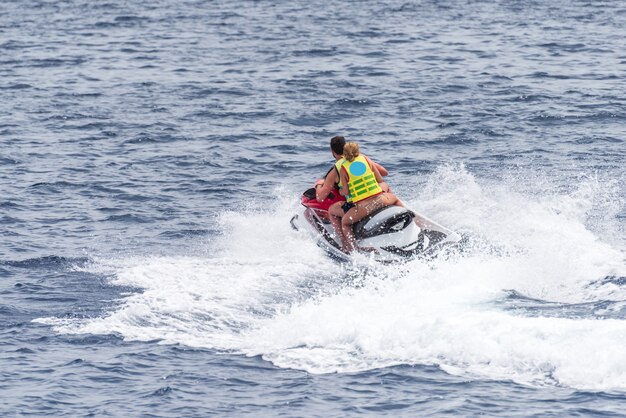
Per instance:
(390,234)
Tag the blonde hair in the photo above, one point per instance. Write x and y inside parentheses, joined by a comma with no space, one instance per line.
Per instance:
(351,151)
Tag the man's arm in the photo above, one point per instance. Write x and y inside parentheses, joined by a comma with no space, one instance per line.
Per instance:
(327,185)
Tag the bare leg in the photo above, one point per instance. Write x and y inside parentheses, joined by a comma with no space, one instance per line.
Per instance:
(419,222)
(346,225)
(363,208)
(390,199)
(335,213)
(402,205)
(387,189)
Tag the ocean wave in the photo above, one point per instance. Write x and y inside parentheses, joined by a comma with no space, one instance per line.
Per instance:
(534,296)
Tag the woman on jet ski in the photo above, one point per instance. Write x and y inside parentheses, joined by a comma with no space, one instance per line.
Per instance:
(331,183)
(361,180)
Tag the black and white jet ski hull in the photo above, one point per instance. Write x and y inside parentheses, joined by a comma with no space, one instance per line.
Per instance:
(391,234)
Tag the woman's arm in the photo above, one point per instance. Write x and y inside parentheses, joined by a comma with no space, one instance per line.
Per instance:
(374,168)
(344,181)
(382,170)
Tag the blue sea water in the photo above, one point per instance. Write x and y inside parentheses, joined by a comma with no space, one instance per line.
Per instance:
(152,154)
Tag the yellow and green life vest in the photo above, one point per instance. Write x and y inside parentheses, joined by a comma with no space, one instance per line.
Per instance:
(338,164)
(361,179)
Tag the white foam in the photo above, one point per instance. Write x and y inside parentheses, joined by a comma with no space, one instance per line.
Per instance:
(263,289)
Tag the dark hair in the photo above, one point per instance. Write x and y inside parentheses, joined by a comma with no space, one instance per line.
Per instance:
(337,143)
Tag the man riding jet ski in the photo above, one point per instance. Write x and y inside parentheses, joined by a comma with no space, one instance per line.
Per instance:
(370,218)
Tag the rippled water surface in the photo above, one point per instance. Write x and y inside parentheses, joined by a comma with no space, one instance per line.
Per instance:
(152,154)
